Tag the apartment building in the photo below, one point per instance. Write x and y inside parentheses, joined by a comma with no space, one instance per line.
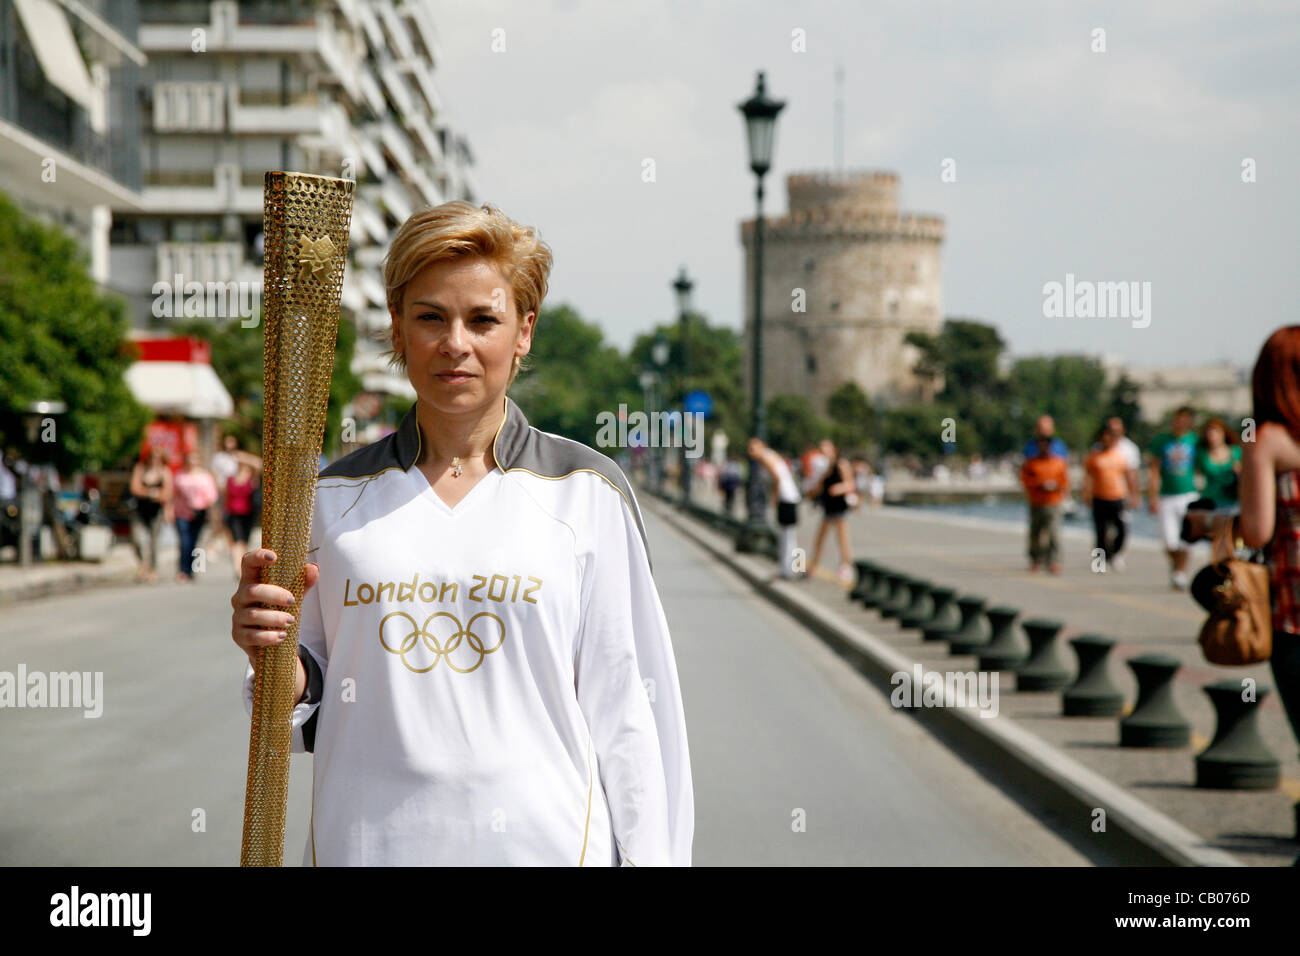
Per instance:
(64,68)
(233,89)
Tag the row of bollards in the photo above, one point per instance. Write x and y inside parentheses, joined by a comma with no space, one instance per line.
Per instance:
(1237,758)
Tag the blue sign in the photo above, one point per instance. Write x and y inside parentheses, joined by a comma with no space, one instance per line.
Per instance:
(699,402)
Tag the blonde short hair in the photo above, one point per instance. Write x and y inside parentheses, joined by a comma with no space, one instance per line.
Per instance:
(459,229)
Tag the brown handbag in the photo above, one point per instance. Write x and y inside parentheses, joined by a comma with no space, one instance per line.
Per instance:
(1239,630)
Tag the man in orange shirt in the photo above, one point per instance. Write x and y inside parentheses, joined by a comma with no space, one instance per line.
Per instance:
(1107,484)
(1046,481)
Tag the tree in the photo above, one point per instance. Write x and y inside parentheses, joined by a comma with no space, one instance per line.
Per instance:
(1070,388)
(237,358)
(572,375)
(714,357)
(61,339)
(965,355)
(917,429)
(853,419)
(793,424)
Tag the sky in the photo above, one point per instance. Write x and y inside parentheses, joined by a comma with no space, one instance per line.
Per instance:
(1117,166)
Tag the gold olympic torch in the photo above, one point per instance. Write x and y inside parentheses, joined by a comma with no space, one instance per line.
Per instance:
(305,227)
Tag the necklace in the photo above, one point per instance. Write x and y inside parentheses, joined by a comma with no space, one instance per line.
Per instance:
(455,464)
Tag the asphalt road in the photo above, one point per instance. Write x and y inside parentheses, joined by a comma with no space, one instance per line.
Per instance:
(796,760)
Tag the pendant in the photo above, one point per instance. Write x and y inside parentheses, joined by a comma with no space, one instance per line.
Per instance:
(455,464)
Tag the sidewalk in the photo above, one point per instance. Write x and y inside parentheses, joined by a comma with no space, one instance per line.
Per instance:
(1136,608)
(44,578)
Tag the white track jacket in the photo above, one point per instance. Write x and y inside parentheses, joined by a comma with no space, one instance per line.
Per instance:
(495,683)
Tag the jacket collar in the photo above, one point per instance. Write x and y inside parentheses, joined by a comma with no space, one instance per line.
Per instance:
(511,435)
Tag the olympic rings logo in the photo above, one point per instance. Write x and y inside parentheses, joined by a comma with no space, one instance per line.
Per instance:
(444,648)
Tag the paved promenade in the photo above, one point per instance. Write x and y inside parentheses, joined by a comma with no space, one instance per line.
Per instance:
(1137,608)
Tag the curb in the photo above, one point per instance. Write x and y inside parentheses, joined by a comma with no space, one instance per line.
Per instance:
(68,581)
(1058,778)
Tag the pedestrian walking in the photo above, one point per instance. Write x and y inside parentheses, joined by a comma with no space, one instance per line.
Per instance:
(812,465)
(1133,459)
(731,479)
(1171,487)
(1106,489)
(831,492)
(1270,504)
(785,492)
(151,491)
(1046,480)
(489,586)
(1046,427)
(1218,460)
(195,493)
(225,463)
(239,507)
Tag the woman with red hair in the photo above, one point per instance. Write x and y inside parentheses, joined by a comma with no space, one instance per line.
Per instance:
(1270,502)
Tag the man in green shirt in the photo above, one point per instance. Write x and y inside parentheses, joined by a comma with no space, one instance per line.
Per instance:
(1171,487)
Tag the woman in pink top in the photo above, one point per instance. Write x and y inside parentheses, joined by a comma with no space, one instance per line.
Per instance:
(239,504)
(195,492)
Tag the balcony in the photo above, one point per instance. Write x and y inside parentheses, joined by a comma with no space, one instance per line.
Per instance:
(202,191)
(205,262)
(261,111)
(189,107)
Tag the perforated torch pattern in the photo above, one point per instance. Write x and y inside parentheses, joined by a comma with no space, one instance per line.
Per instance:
(306,224)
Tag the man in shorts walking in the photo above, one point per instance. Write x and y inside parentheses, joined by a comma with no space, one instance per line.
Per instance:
(1171,487)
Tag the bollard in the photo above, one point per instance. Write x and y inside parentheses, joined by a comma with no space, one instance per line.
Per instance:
(879,591)
(1092,694)
(973,632)
(921,605)
(1006,648)
(1237,758)
(900,596)
(1046,668)
(870,595)
(945,620)
(1155,721)
(865,574)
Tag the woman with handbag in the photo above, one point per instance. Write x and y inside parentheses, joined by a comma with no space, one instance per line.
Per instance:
(1270,506)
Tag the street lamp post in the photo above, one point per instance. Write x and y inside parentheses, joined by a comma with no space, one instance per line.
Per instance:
(682,285)
(760,114)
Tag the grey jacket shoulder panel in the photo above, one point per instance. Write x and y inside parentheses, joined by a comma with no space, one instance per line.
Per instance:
(521,447)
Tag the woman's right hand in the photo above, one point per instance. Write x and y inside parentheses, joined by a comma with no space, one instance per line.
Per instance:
(254,626)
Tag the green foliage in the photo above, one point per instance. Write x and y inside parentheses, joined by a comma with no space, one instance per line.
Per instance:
(61,339)
(1070,388)
(853,420)
(237,358)
(996,414)
(918,429)
(714,356)
(793,424)
(572,377)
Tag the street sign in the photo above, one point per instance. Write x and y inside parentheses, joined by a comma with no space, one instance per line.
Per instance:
(699,401)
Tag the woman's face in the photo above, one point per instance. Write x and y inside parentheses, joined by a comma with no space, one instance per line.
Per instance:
(460,316)
(1214,436)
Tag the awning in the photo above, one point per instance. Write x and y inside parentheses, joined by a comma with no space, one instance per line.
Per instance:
(56,49)
(390,383)
(184,388)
